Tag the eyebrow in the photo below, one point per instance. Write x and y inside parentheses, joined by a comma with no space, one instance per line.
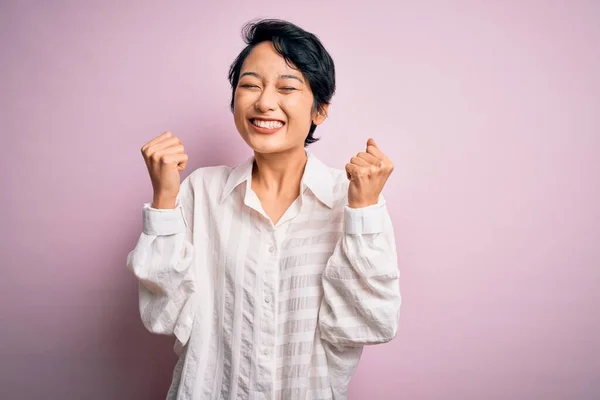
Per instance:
(280,76)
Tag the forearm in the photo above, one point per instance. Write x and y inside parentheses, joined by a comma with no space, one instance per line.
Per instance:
(162,262)
(361,289)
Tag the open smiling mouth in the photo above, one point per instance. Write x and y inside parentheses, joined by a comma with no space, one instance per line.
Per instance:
(266,126)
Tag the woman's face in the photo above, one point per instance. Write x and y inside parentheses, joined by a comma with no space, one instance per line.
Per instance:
(273,104)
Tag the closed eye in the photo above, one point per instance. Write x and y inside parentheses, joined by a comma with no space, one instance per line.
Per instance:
(248,86)
(287,89)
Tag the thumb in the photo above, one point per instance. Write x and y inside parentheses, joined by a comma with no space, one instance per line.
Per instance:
(371,142)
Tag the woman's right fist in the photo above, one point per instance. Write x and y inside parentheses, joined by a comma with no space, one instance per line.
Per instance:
(165,157)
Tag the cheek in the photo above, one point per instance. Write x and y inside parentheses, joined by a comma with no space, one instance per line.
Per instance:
(238,100)
(241,102)
(299,109)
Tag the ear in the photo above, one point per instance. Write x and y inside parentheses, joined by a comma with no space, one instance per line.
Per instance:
(320,115)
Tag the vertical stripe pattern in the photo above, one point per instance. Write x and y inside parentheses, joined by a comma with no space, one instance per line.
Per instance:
(262,310)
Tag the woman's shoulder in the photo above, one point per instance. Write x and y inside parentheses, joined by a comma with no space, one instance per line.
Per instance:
(209,179)
(339,179)
(336,183)
(211,172)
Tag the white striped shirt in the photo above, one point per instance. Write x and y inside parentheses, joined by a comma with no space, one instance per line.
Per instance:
(262,310)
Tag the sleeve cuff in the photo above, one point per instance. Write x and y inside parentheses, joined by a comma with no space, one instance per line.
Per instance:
(366,220)
(162,222)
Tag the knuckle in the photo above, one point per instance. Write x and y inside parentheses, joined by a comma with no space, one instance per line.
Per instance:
(155,157)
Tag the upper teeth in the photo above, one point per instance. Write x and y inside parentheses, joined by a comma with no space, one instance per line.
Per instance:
(267,124)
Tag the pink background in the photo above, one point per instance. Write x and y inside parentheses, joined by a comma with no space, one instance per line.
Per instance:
(490,110)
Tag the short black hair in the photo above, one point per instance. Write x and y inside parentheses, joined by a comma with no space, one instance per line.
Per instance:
(300,49)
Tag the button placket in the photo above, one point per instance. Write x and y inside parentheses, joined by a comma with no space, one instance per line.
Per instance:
(268,304)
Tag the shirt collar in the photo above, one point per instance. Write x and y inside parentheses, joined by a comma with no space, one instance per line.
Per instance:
(317,178)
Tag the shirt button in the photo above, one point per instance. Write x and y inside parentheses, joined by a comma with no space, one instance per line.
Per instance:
(267,299)
(266,351)
(272,249)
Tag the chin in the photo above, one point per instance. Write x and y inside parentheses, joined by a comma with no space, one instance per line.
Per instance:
(265,143)
(268,148)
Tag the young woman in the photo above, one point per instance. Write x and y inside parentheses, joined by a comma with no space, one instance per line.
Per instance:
(274,274)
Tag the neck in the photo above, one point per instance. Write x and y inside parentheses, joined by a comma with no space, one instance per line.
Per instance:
(279,173)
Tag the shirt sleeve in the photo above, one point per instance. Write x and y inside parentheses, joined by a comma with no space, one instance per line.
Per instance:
(361,302)
(162,261)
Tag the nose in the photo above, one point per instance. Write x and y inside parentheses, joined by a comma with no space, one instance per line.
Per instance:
(267,101)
